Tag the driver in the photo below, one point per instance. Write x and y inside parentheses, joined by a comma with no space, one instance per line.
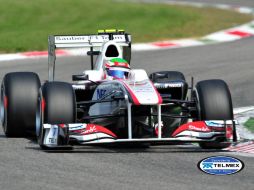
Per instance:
(117,68)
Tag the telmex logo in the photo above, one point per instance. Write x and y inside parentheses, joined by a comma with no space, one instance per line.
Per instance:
(220,165)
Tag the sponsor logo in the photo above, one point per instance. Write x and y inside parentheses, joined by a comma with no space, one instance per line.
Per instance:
(52,135)
(119,37)
(71,38)
(76,127)
(91,129)
(202,129)
(220,165)
(100,93)
(79,87)
(169,85)
(214,124)
(91,38)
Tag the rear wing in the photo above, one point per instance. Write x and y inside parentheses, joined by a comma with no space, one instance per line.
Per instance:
(83,41)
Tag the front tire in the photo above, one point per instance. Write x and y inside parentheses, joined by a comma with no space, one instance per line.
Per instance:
(19,92)
(214,103)
(57,105)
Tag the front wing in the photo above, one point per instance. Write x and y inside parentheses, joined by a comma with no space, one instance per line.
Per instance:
(92,134)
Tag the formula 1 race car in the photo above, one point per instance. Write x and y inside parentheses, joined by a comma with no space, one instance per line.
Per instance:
(127,108)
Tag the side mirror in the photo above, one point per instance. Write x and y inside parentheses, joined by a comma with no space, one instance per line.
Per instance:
(79,77)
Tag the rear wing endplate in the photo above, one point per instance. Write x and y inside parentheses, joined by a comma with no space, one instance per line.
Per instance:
(81,41)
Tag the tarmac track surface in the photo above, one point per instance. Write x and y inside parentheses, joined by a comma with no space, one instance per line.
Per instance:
(24,166)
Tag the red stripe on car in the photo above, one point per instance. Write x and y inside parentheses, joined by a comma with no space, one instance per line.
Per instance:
(158,94)
(197,126)
(133,96)
(92,128)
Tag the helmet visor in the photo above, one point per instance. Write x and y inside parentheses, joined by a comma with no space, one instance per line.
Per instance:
(120,74)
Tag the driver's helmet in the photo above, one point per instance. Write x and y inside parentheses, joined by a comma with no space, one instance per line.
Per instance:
(117,68)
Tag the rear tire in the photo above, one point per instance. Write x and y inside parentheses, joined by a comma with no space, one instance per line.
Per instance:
(19,92)
(57,105)
(214,103)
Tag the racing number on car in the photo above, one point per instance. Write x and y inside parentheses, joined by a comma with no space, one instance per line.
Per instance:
(100,93)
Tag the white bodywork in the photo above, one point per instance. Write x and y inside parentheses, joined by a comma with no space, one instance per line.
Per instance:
(140,93)
(81,41)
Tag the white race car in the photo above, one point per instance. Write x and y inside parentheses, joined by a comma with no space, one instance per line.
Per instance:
(112,103)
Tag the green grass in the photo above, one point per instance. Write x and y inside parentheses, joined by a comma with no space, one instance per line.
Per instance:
(26,24)
(250,124)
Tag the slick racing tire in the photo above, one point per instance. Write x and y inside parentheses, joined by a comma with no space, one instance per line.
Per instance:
(57,105)
(214,103)
(19,92)
(60,103)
